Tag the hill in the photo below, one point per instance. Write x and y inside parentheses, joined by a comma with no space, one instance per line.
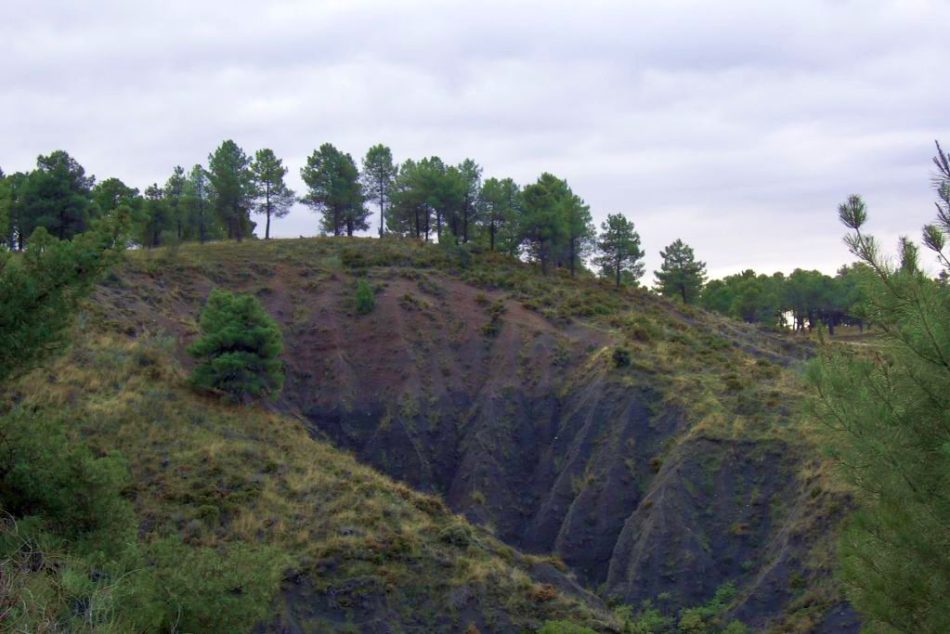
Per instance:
(520,421)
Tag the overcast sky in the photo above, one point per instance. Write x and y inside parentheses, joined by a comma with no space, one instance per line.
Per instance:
(737,126)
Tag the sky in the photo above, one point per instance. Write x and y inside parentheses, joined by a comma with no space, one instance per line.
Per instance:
(737,126)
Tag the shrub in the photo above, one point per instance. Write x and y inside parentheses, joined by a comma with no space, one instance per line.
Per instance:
(45,474)
(564,627)
(456,535)
(238,349)
(621,357)
(215,590)
(365,298)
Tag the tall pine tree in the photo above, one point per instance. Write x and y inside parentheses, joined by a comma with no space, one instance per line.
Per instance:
(273,197)
(333,190)
(620,256)
(379,175)
(230,175)
(57,195)
(680,274)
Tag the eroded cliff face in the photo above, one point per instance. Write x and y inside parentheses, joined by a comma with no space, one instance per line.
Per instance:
(535,433)
(661,480)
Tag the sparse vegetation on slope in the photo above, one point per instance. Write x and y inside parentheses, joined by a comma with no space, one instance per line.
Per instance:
(245,499)
(536,432)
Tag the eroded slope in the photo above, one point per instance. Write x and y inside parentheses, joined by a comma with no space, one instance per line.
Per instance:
(498,390)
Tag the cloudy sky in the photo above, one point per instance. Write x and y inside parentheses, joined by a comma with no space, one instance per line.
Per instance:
(737,126)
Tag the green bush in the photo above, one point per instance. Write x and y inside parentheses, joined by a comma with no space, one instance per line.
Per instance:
(213,590)
(239,347)
(45,474)
(621,357)
(365,297)
(564,627)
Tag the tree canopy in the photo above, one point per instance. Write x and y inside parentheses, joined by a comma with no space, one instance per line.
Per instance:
(379,175)
(41,287)
(619,250)
(888,412)
(231,178)
(681,275)
(238,348)
(272,197)
(334,191)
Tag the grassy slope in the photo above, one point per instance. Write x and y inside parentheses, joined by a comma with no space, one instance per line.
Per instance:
(217,474)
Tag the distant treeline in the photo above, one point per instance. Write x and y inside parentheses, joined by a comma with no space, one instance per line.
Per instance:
(801,300)
(544,221)
(428,199)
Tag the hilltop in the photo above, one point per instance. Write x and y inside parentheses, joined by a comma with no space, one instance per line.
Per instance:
(488,447)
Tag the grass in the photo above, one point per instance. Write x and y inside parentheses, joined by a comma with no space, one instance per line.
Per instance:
(216,475)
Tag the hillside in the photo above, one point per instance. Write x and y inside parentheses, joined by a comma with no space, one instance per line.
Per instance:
(497,394)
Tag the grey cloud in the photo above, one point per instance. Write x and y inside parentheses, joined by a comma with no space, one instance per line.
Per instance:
(737,126)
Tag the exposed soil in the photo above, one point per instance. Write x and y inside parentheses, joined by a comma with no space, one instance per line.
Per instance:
(524,426)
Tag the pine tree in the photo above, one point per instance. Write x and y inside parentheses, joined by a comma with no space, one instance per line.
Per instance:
(273,197)
(887,408)
(174,198)
(410,211)
(378,177)
(680,274)
(6,205)
(156,217)
(230,176)
(580,231)
(501,201)
(40,288)
(57,195)
(333,190)
(238,349)
(199,195)
(470,185)
(543,224)
(619,247)
(112,193)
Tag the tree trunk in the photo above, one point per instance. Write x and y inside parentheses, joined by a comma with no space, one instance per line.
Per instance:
(618,272)
(573,248)
(267,228)
(381,202)
(491,236)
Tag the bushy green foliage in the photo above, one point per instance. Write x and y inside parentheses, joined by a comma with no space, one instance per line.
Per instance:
(809,297)
(365,297)
(495,312)
(238,349)
(225,589)
(40,289)
(564,627)
(681,275)
(334,191)
(56,196)
(231,180)
(707,617)
(619,250)
(888,413)
(621,357)
(45,474)
(168,586)
(648,621)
